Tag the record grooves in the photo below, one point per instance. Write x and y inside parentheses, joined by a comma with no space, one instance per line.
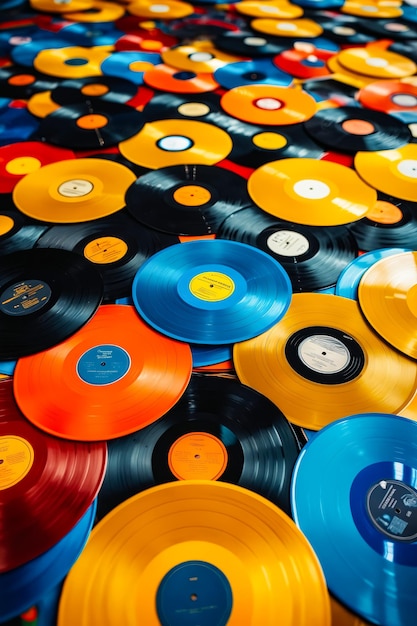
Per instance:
(218,430)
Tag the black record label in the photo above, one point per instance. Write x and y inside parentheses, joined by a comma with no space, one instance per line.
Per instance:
(218,430)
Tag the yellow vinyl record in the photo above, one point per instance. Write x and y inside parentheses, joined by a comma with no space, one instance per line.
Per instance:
(269,104)
(393,172)
(196,552)
(201,56)
(341,616)
(175,142)
(54,6)
(72,61)
(41,104)
(311,192)
(344,75)
(100,11)
(322,361)
(302,27)
(376,62)
(376,10)
(278,9)
(166,10)
(73,190)
(387,295)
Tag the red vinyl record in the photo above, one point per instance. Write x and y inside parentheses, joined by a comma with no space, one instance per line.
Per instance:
(113,377)
(46,484)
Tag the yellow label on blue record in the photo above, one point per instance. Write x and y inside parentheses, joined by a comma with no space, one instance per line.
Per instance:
(212,286)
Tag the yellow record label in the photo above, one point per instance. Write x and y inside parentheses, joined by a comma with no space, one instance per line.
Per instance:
(140,66)
(212,286)
(16,460)
(198,455)
(105,250)
(6,224)
(75,188)
(193,109)
(269,141)
(22,165)
(192,195)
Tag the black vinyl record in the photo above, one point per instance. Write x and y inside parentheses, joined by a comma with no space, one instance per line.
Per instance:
(17,231)
(45,297)
(87,126)
(249,44)
(341,28)
(220,430)
(93,89)
(187,199)
(392,224)
(312,256)
(329,88)
(19,82)
(405,48)
(116,246)
(352,129)
(396,29)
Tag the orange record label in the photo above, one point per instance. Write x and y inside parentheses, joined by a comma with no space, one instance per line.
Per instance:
(6,224)
(90,122)
(198,455)
(212,286)
(358,127)
(105,250)
(192,195)
(94,89)
(22,165)
(21,80)
(16,460)
(385,213)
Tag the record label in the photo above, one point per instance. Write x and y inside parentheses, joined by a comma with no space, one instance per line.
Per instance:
(103,365)
(25,297)
(323,353)
(104,250)
(212,286)
(385,213)
(77,188)
(288,243)
(391,506)
(22,165)
(192,195)
(197,455)
(16,460)
(6,224)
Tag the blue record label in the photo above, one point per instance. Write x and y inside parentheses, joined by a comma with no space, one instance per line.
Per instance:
(103,365)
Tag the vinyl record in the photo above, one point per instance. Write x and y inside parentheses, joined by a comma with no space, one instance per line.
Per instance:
(90,125)
(371,9)
(367,542)
(41,104)
(167,78)
(271,10)
(17,232)
(148,36)
(306,62)
(174,142)
(313,257)
(387,294)
(131,65)
(169,10)
(28,585)
(206,355)
(393,172)
(41,474)
(93,89)
(200,56)
(116,245)
(51,6)
(218,556)
(350,129)
(323,361)
(19,82)
(341,616)
(19,159)
(396,97)
(16,124)
(72,61)
(111,378)
(269,105)
(187,199)
(348,281)
(218,430)
(392,223)
(201,26)
(211,291)
(376,62)
(332,89)
(398,30)
(248,43)
(254,72)
(315,193)
(287,27)
(25,52)
(75,190)
(342,29)
(98,12)
(46,296)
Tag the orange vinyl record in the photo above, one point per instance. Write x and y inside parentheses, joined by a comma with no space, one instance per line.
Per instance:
(311,192)
(111,378)
(72,61)
(277,9)
(393,172)
(166,10)
(175,142)
(387,295)
(369,9)
(341,616)
(301,27)
(167,78)
(100,11)
(201,56)
(390,96)
(342,74)
(73,190)
(52,6)
(376,62)
(196,548)
(322,361)
(268,104)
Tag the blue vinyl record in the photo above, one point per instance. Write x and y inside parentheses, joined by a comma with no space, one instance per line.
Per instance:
(91,33)
(210,355)
(23,587)
(320,4)
(354,496)
(130,65)
(349,278)
(211,291)
(7,367)
(26,53)
(16,124)
(256,71)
